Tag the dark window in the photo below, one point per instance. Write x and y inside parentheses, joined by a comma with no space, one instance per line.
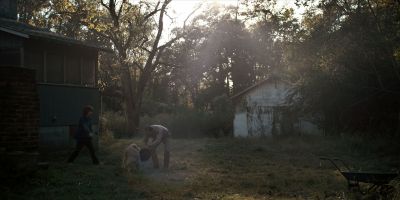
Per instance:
(73,70)
(88,72)
(10,57)
(34,60)
(54,68)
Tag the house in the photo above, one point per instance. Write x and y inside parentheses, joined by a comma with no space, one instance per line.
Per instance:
(65,74)
(262,110)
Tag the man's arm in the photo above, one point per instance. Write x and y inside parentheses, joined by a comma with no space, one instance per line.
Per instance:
(146,139)
(156,141)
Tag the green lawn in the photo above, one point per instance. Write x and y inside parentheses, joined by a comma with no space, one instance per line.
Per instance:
(278,168)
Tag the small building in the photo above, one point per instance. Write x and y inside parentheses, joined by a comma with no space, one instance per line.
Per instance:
(66,74)
(262,110)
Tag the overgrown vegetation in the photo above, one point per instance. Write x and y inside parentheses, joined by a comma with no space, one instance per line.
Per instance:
(182,122)
(347,64)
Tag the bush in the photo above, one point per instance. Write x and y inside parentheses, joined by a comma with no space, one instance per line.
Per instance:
(189,123)
(106,137)
(114,122)
(182,122)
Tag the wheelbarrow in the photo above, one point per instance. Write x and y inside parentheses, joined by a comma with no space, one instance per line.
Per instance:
(377,180)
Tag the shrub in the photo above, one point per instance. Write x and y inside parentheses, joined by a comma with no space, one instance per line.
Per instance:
(115,122)
(190,123)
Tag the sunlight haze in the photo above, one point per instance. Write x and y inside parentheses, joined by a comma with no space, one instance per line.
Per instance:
(181,9)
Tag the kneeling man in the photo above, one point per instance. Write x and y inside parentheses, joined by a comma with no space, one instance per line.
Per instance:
(158,134)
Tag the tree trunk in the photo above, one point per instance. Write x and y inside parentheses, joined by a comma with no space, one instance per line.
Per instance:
(130,99)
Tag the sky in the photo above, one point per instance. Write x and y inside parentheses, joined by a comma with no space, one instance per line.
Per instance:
(181,9)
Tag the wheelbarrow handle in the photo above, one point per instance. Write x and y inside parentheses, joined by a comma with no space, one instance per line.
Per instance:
(335,164)
(343,163)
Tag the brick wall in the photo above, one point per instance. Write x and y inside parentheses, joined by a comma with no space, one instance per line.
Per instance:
(19,110)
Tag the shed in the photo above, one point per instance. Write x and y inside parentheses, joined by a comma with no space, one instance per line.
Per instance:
(66,74)
(262,110)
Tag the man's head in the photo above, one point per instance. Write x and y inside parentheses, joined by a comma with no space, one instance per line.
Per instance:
(87,110)
(148,130)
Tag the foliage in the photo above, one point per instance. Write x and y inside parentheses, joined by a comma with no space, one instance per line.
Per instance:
(346,69)
(193,123)
(114,124)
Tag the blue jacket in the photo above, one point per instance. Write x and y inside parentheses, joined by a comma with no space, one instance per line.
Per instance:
(84,128)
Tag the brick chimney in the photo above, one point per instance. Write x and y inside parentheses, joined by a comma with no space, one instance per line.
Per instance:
(8,9)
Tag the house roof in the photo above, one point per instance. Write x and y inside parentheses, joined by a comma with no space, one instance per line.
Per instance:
(255,86)
(27,31)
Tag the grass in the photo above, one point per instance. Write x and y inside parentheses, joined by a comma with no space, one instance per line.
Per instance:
(232,169)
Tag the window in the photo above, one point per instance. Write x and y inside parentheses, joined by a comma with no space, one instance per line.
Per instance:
(54,68)
(88,71)
(34,60)
(10,57)
(73,70)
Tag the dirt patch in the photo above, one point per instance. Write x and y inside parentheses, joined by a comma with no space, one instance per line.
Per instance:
(184,165)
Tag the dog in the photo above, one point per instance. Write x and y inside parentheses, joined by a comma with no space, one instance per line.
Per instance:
(131,158)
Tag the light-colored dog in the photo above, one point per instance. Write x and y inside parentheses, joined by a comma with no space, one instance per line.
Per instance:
(131,158)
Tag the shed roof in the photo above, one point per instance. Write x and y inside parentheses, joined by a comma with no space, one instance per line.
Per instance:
(27,31)
(255,86)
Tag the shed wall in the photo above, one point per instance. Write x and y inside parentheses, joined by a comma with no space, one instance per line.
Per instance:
(60,110)
(240,124)
(263,111)
(62,105)
(10,50)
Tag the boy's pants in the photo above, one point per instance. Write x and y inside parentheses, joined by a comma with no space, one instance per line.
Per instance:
(79,145)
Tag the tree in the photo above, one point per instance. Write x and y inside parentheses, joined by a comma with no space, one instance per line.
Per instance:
(215,58)
(138,54)
(28,11)
(348,77)
(126,27)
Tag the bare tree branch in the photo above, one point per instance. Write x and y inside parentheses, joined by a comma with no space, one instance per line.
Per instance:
(179,35)
(145,49)
(111,9)
(121,7)
(146,17)
(162,47)
(190,14)
(104,4)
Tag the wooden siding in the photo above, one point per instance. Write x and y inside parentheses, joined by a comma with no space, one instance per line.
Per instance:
(62,105)
(263,111)
(61,64)
(9,41)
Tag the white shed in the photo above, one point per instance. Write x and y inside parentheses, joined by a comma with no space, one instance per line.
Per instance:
(261,110)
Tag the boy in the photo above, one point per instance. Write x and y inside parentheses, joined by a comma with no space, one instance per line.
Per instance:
(83,135)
